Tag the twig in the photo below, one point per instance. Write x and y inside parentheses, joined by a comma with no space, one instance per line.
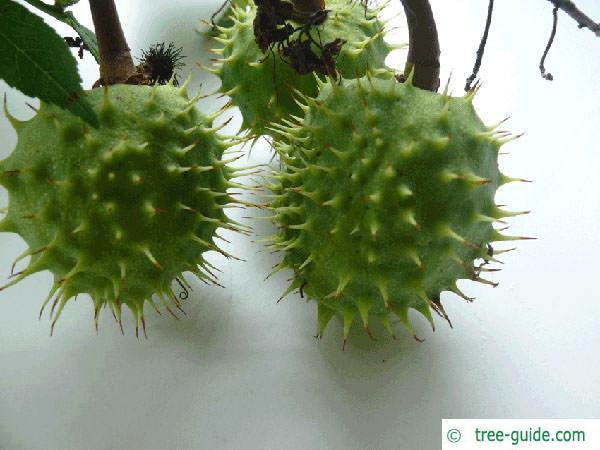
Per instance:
(116,63)
(481,49)
(424,48)
(547,75)
(583,21)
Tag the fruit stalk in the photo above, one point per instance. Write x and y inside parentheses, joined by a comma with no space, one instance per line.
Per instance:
(116,63)
(424,46)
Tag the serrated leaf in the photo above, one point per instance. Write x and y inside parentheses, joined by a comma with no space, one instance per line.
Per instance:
(36,60)
(87,35)
(58,12)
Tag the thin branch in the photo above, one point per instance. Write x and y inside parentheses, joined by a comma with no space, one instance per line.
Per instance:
(547,75)
(481,49)
(424,48)
(116,63)
(583,21)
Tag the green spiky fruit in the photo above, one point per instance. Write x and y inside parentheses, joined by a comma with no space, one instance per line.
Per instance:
(120,211)
(386,199)
(224,18)
(262,85)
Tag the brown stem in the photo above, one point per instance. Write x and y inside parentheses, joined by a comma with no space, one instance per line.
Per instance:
(424,46)
(576,14)
(547,75)
(481,49)
(116,64)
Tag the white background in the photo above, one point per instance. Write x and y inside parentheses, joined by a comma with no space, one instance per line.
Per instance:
(243,372)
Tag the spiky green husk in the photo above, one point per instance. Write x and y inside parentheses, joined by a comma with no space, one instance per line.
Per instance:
(262,85)
(120,211)
(225,17)
(386,199)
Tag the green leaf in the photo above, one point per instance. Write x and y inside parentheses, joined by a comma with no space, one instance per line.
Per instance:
(87,35)
(36,60)
(65,3)
(57,11)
